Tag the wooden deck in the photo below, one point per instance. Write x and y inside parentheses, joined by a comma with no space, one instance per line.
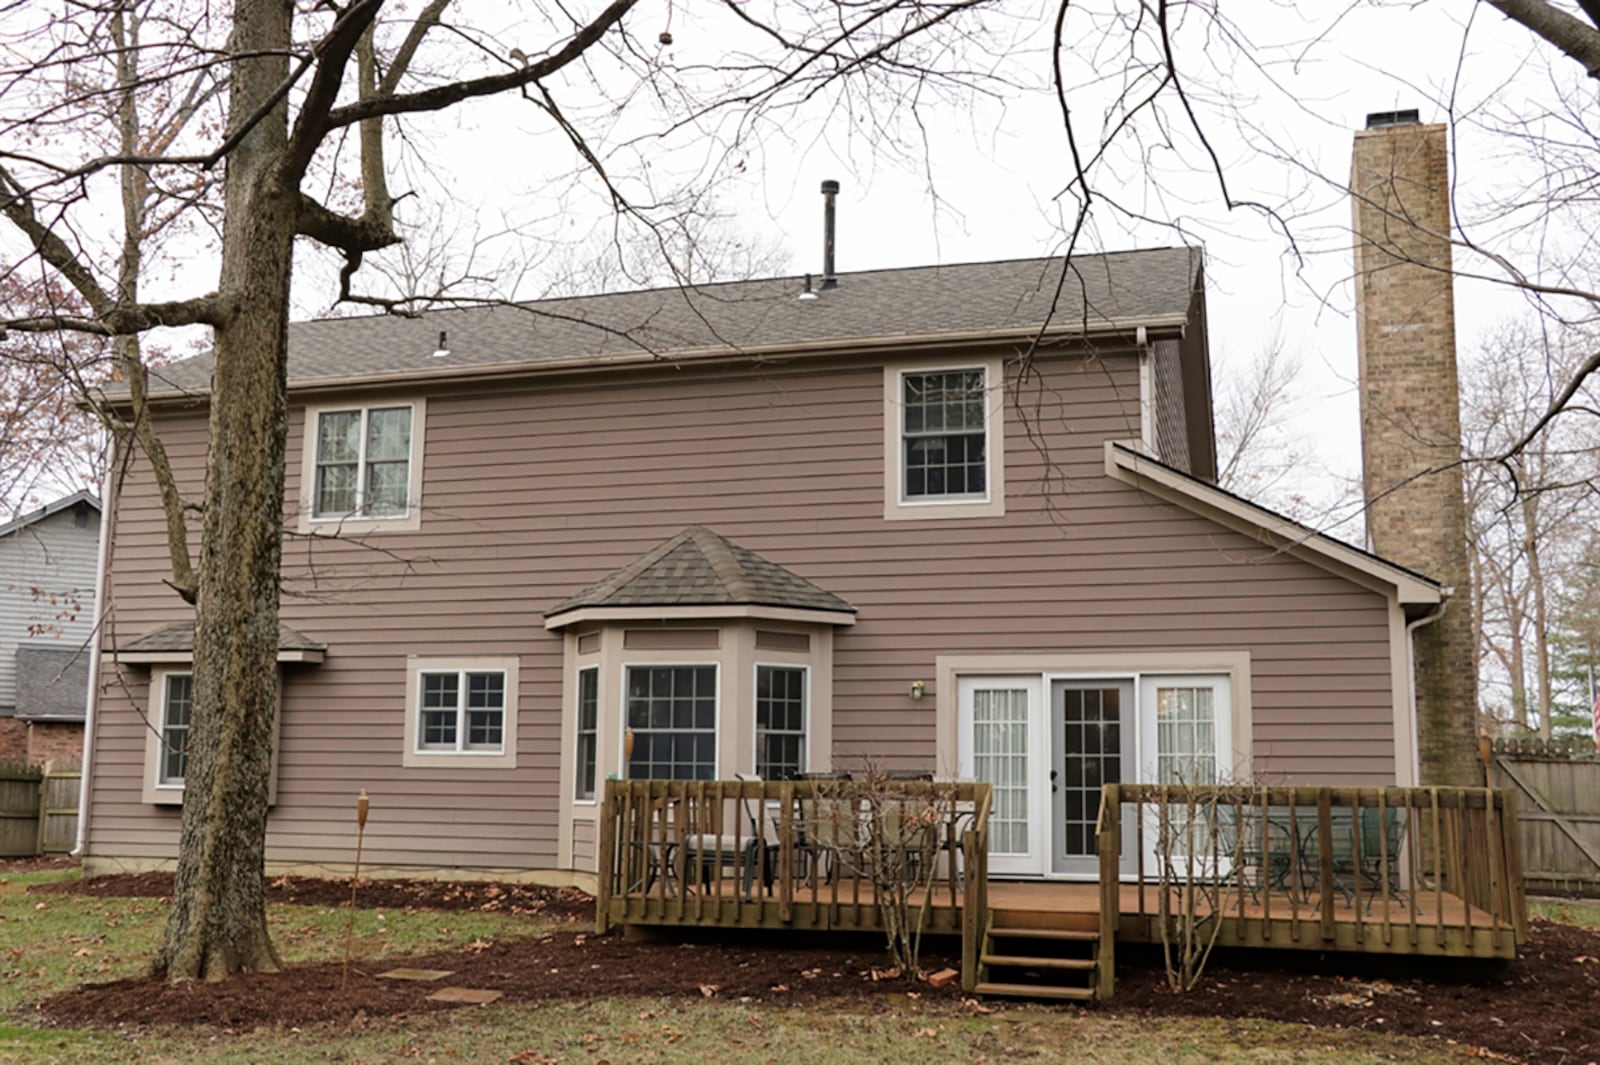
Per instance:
(1421,871)
(1429,924)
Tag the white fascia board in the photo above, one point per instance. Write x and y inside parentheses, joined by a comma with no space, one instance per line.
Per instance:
(1124,463)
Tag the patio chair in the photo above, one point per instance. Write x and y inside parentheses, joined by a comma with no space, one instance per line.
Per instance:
(834,834)
(1381,845)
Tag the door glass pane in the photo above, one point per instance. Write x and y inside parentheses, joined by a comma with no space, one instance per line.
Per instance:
(1091,756)
(1000,758)
(1186,748)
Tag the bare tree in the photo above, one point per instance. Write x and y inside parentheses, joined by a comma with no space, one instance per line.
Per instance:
(321,87)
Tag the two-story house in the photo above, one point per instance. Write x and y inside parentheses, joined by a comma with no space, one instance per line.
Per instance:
(953,519)
(47,585)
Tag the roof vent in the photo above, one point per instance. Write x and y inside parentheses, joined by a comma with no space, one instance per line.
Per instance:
(830,189)
(1383,119)
(443,349)
(808,294)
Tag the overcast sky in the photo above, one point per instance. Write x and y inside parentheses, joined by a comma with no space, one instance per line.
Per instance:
(981,178)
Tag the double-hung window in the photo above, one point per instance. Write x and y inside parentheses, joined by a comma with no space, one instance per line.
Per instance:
(588,731)
(672,711)
(177,699)
(944,441)
(944,434)
(780,722)
(363,463)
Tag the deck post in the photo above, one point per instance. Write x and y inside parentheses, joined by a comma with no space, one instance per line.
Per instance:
(605,860)
(1109,844)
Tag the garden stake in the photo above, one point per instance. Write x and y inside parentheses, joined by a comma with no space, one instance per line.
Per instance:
(350,919)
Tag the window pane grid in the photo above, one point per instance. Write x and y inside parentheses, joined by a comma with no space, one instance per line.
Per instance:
(463,710)
(780,722)
(588,730)
(943,433)
(672,711)
(363,462)
(175,727)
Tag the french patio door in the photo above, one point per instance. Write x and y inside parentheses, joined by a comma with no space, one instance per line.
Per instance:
(1092,736)
(1186,734)
(1002,744)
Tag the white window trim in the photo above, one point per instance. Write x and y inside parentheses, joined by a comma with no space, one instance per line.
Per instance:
(153,791)
(599,717)
(414,757)
(805,710)
(622,711)
(359,524)
(993,505)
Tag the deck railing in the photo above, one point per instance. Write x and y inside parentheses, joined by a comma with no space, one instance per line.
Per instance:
(806,854)
(1340,868)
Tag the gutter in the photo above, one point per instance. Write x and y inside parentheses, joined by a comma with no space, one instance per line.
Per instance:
(1129,328)
(101,609)
(1411,676)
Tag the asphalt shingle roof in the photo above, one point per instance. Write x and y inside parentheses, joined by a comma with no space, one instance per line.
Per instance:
(179,636)
(1119,287)
(697,567)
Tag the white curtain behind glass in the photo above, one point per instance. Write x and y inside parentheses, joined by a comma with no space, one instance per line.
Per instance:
(1000,758)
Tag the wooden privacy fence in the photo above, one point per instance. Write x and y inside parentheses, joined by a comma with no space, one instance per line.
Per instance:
(1558,791)
(38,810)
(1412,870)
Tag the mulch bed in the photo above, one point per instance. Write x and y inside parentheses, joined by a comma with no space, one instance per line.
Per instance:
(1543,1008)
(526,899)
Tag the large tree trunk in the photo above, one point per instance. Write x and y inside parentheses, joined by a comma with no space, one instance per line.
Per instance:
(218,922)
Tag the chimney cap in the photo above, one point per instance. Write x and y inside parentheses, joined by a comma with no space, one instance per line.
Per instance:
(1384,119)
(829,187)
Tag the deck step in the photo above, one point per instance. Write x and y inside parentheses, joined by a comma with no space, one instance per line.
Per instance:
(1076,994)
(1018,962)
(1063,935)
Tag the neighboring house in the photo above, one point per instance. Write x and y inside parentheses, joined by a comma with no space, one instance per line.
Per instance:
(47,581)
(952,519)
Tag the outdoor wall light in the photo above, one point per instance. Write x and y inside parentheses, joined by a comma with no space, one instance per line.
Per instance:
(918,689)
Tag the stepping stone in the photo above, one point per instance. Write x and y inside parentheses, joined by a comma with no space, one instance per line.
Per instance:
(416,974)
(466,996)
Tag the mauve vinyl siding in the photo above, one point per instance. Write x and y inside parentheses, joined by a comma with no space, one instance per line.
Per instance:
(532,494)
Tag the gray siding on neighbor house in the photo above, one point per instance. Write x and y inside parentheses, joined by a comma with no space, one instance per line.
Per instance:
(46,590)
(531,493)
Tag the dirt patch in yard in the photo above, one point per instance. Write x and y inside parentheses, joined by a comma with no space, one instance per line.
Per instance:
(35,865)
(1543,1008)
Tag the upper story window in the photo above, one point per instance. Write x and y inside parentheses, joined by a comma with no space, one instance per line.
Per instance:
(944,441)
(944,434)
(461,711)
(363,462)
(361,469)
(672,711)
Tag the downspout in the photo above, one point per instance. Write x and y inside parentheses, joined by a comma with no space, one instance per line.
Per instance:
(1411,679)
(102,560)
(1147,393)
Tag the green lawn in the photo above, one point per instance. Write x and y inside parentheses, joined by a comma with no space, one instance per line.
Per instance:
(53,942)
(1584,913)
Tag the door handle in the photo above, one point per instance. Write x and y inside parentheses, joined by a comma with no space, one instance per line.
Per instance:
(1053,788)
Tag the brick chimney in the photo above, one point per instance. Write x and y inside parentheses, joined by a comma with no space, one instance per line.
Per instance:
(1411,413)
